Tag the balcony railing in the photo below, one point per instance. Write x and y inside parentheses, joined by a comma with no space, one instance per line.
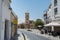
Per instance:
(9,0)
(10,8)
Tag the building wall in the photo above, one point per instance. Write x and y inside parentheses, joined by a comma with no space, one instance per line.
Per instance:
(57,16)
(52,10)
(12,17)
(57,29)
(59,7)
(49,13)
(31,24)
(51,17)
(14,23)
(0,18)
(45,17)
(27,20)
(5,15)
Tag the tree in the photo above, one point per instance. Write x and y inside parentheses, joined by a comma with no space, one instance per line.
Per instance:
(39,22)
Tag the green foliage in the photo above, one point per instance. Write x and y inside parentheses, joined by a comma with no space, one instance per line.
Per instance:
(39,22)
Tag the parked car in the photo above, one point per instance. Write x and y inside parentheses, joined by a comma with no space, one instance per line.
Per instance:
(29,30)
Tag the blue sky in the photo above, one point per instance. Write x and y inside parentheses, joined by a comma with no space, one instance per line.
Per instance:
(35,8)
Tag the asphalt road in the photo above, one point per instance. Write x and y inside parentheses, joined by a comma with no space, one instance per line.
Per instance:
(32,36)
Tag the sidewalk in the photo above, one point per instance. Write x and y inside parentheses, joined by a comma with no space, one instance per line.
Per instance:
(37,32)
(19,36)
(26,37)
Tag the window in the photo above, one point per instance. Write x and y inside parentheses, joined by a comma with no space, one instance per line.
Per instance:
(30,21)
(55,11)
(27,15)
(55,2)
(12,24)
(9,0)
(27,18)
(2,0)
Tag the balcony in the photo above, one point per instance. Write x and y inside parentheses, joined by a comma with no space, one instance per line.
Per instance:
(57,17)
(10,7)
(9,0)
(45,14)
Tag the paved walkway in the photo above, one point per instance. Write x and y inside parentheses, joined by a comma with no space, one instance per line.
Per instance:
(37,32)
(19,36)
(32,36)
(16,37)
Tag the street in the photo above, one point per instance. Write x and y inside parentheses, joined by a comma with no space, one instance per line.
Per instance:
(32,36)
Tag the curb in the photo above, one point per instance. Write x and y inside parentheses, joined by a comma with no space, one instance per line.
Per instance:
(24,36)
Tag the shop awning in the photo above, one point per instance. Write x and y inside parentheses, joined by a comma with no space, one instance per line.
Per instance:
(52,24)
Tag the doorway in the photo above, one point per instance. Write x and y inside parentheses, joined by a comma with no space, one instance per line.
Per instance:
(6,30)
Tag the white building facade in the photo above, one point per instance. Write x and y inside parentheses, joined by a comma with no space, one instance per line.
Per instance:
(5,24)
(53,17)
(53,12)
(56,10)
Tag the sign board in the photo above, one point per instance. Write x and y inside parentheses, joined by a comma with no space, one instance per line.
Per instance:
(15,21)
